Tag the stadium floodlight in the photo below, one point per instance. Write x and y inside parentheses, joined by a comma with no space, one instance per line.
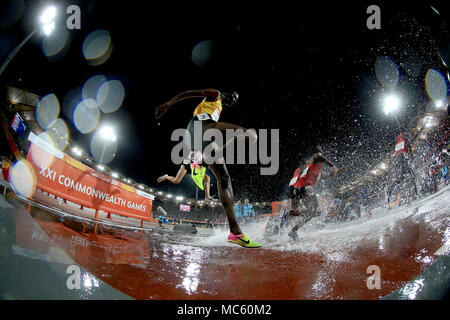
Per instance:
(48,28)
(47,19)
(107,133)
(48,15)
(77,151)
(47,24)
(100,167)
(391,103)
(179,198)
(114,175)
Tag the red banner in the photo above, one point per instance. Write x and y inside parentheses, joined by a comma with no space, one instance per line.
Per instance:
(70,179)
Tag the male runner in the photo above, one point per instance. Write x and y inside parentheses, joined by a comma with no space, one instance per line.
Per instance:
(301,190)
(206,115)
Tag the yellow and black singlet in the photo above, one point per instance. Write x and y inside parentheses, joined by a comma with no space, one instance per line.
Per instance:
(208,110)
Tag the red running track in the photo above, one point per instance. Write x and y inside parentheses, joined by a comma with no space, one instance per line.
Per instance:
(326,263)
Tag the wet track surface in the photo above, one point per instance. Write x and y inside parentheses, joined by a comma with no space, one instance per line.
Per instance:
(329,261)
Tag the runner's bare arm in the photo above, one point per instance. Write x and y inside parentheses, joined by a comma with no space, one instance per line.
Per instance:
(320,158)
(213,93)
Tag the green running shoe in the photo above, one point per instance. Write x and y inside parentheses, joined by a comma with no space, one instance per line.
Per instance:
(243,240)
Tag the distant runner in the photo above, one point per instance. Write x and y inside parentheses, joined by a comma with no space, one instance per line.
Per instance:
(301,190)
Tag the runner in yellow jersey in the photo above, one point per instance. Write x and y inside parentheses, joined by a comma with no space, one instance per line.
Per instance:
(207,116)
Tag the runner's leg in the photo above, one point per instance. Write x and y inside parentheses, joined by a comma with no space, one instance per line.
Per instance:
(175,180)
(207,181)
(312,210)
(225,192)
(224,187)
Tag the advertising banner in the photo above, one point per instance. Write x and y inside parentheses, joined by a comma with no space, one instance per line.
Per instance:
(278,207)
(61,175)
(185,208)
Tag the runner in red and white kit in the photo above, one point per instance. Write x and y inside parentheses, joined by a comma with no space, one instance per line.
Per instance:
(301,190)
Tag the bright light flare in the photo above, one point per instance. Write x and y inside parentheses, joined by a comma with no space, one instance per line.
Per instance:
(47,110)
(387,72)
(86,116)
(43,157)
(439,104)
(97,47)
(436,85)
(77,151)
(47,19)
(48,28)
(23,178)
(391,104)
(108,133)
(48,15)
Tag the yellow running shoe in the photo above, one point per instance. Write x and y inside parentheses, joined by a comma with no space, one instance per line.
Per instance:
(242,240)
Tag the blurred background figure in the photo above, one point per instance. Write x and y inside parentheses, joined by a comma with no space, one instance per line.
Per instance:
(248,211)
(239,211)
(444,172)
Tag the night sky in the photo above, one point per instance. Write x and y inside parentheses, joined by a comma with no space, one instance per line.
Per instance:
(307,70)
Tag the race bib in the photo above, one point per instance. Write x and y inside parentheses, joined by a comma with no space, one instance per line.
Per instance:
(203,116)
(400,146)
(215,115)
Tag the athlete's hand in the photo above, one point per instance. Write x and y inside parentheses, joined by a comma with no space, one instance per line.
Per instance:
(162,178)
(335,171)
(159,111)
(294,213)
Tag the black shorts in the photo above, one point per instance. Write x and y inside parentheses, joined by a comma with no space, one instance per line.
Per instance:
(196,152)
(204,125)
(300,193)
(306,196)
